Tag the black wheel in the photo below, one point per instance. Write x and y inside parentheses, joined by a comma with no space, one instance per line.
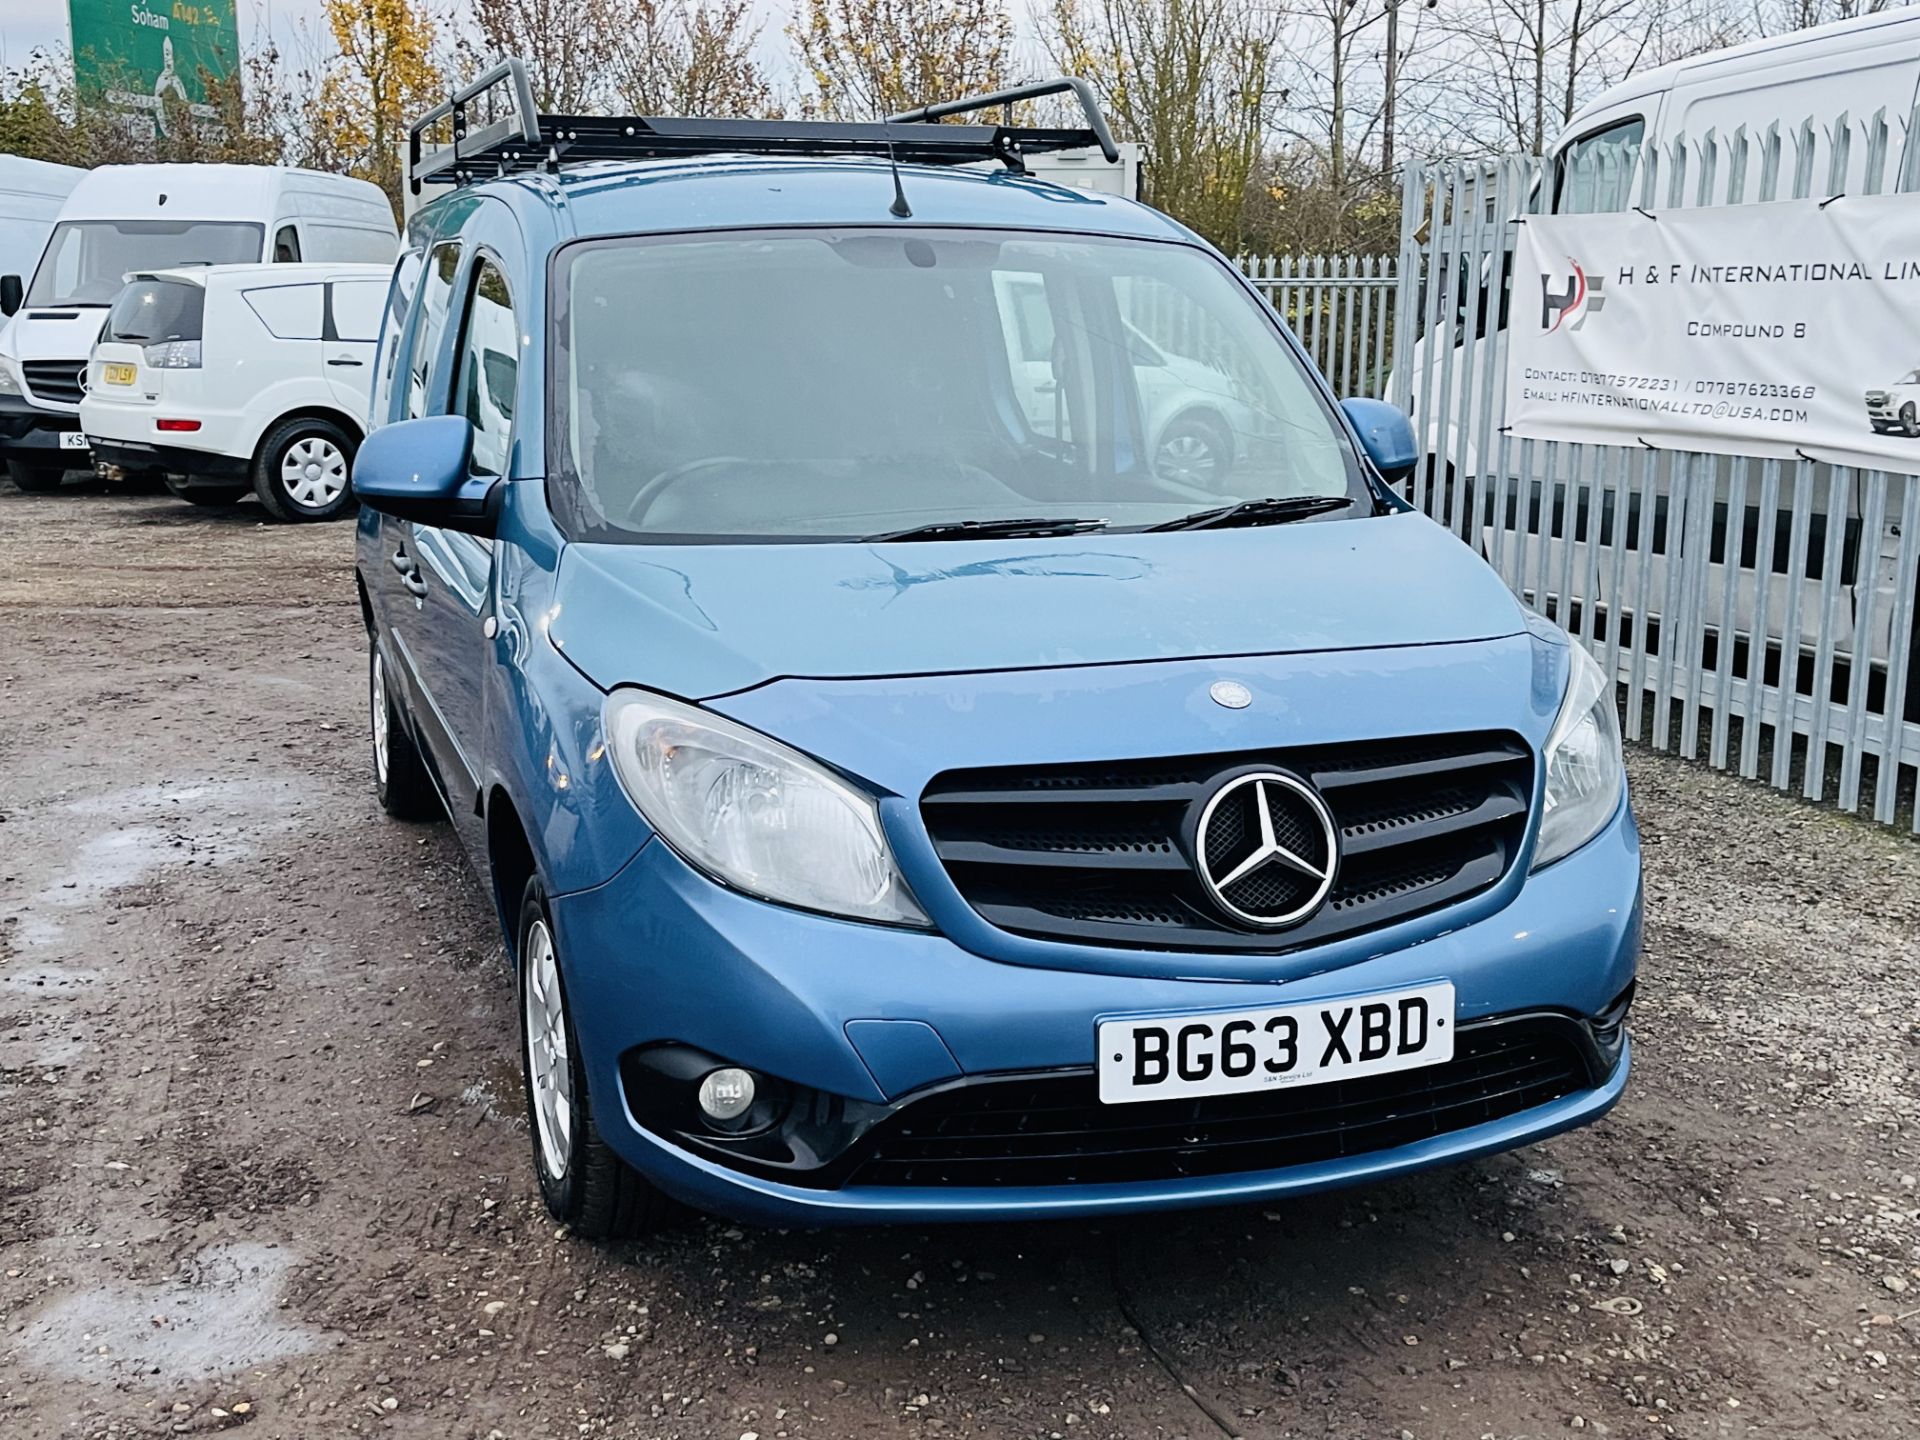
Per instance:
(399,774)
(35,478)
(302,468)
(585,1185)
(1195,449)
(1909,422)
(210,495)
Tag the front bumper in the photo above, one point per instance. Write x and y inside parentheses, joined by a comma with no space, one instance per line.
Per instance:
(660,955)
(30,432)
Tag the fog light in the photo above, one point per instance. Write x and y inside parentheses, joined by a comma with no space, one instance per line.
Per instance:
(726,1094)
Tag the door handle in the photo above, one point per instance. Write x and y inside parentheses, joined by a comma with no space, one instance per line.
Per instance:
(356,364)
(409,573)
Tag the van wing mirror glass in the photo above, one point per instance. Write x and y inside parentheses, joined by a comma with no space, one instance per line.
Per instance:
(13,291)
(421,470)
(1386,435)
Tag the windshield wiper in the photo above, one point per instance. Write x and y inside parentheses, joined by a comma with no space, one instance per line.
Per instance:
(987,530)
(1271,510)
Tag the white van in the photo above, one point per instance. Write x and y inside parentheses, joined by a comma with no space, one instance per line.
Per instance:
(125,218)
(1856,67)
(31,194)
(231,378)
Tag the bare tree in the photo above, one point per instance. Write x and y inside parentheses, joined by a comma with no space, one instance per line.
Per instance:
(693,57)
(1192,79)
(867,58)
(569,45)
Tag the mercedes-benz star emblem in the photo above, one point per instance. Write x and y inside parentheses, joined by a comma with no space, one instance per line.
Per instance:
(1267,849)
(1230,693)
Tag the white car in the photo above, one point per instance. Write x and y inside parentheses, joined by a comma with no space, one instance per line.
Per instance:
(227,378)
(1897,407)
(1194,415)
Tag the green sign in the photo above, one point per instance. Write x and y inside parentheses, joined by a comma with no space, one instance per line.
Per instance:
(145,55)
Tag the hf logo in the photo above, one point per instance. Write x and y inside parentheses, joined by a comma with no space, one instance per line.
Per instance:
(1572,305)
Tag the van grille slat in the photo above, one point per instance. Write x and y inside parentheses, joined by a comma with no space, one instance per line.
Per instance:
(62,381)
(1101,853)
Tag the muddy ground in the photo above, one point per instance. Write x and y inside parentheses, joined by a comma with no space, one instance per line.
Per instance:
(263,1157)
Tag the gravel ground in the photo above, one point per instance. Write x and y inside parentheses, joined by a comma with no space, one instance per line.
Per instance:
(262,1150)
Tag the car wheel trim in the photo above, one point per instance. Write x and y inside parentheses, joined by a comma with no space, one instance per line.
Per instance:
(549,1065)
(1186,456)
(313,471)
(377,703)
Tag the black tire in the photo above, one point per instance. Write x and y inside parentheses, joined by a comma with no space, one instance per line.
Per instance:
(593,1191)
(208,495)
(35,479)
(1909,422)
(1196,449)
(400,775)
(330,449)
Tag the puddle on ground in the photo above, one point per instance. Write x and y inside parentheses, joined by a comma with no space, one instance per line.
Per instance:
(219,1314)
(153,826)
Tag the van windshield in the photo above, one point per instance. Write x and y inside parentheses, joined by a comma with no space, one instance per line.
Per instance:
(833,384)
(88,260)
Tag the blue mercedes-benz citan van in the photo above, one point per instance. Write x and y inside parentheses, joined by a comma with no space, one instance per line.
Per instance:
(951,712)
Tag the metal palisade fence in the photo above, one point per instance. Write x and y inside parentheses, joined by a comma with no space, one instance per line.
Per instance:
(1760,613)
(1341,306)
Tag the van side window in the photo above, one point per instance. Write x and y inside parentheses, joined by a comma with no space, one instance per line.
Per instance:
(406,278)
(1583,181)
(489,367)
(436,298)
(286,246)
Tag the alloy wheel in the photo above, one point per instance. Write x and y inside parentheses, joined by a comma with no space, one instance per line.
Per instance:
(549,1063)
(377,702)
(1188,457)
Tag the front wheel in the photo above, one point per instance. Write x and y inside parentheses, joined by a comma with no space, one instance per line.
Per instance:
(35,479)
(1909,422)
(585,1185)
(400,776)
(301,470)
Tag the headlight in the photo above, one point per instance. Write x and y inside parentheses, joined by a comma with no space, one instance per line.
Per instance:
(8,385)
(754,814)
(173,355)
(1583,762)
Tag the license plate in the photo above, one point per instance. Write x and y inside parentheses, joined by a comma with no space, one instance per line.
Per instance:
(1226,1052)
(116,372)
(72,440)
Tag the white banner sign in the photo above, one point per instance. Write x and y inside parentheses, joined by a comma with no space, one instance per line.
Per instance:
(1773,330)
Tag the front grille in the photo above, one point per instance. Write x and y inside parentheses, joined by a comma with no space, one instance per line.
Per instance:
(58,380)
(1101,854)
(1053,1130)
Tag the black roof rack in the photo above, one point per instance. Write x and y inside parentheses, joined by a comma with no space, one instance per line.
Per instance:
(491,127)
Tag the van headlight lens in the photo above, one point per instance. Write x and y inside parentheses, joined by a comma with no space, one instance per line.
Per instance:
(173,355)
(1584,765)
(752,813)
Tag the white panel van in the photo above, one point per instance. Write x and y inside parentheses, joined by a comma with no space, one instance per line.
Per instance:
(125,218)
(229,378)
(31,194)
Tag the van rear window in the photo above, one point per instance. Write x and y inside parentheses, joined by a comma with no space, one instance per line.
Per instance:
(150,311)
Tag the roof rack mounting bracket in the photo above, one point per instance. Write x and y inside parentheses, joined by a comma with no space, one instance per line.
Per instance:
(1038,90)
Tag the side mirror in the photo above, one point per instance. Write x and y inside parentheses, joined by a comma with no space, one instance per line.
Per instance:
(12,292)
(420,470)
(1386,435)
